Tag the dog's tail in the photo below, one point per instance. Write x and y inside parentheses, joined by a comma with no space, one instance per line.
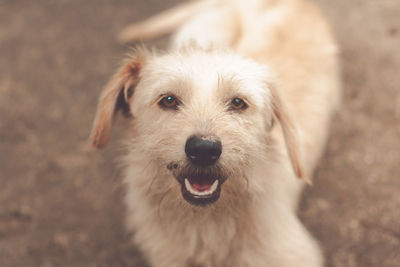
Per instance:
(165,22)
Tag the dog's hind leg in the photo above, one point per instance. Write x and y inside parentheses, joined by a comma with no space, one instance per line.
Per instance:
(215,28)
(165,22)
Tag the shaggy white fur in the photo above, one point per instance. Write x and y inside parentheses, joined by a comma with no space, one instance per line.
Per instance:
(278,58)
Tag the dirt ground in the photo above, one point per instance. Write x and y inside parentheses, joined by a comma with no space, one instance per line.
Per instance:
(60,205)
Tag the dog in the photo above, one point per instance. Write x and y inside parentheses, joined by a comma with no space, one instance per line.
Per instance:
(224,129)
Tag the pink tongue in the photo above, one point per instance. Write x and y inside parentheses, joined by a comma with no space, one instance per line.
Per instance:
(201,187)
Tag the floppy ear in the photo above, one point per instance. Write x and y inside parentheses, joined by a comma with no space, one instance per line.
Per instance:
(115,96)
(289,132)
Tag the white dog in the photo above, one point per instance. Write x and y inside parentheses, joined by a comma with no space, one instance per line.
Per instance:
(221,125)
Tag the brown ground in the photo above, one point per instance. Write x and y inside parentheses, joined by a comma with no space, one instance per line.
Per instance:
(61,205)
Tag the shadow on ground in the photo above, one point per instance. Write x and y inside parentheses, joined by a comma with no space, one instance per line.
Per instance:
(60,205)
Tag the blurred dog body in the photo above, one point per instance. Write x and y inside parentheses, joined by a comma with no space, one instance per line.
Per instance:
(221,125)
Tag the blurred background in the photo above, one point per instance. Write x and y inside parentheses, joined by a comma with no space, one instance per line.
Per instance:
(61,205)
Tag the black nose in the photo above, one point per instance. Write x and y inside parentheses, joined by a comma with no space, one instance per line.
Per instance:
(202,152)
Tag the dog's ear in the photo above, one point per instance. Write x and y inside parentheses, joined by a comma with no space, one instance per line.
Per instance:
(115,97)
(289,132)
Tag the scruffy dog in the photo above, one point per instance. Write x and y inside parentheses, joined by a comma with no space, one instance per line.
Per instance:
(221,128)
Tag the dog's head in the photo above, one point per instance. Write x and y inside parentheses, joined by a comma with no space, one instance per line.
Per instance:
(200,119)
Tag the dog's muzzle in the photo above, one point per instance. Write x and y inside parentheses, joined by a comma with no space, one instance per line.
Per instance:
(201,179)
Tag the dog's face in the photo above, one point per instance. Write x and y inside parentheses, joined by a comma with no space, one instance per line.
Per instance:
(199,120)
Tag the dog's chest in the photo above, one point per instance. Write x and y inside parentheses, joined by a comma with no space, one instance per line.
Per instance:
(213,243)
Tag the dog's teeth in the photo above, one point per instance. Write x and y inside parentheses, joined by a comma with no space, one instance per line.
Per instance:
(214,186)
(189,187)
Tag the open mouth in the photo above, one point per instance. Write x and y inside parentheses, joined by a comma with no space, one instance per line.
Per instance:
(200,188)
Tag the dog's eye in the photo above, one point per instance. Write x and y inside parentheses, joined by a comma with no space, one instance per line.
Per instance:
(169,102)
(238,104)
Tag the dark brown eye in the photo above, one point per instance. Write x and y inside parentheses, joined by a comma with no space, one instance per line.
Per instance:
(238,104)
(169,102)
